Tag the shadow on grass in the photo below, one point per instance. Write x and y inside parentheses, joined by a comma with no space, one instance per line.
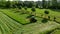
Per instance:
(44,20)
(16,20)
(49,32)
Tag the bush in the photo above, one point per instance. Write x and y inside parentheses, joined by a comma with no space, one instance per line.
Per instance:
(54,18)
(46,12)
(33,9)
(25,8)
(49,17)
(32,19)
(44,20)
(20,7)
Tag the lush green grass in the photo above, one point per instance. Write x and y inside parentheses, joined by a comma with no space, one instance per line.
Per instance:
(11,26)
(56,32)
(42,28)
(22,18)
(7,25)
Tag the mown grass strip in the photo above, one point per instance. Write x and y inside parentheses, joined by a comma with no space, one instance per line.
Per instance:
(11,24)
(19,18)
(42,28)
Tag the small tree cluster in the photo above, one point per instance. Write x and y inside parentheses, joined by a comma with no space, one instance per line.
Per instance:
(54,18)
(46,18)
(49,17)
(32,19)
(46,12)
(20,7)
(33,9)
(25,8)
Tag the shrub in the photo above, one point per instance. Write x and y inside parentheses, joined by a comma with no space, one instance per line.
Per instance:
(25,8)
(46,12)
(20,7)
(54,18)
(49,17)
(44,20)
(33,9)
(32,19)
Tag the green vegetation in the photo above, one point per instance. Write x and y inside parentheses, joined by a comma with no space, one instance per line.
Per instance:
(10,17)
(19,18)
(56,32)
(7,25)
(29,17)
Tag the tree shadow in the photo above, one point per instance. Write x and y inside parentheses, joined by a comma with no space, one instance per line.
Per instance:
(44,20)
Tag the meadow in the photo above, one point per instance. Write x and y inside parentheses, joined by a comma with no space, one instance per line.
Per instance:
(13,22)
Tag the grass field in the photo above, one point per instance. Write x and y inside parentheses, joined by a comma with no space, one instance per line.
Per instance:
(13,23)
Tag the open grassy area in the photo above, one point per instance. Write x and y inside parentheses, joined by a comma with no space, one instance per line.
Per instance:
(23,18)
(8,26)
(12,23)
(57,31)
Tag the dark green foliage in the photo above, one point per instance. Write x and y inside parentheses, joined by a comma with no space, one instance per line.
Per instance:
(43,3)
(30,16)
(46,12)
(20,7)
(30,4)
(54,18)
(32,19)
(49,17)
(25,8)
(15,6)
(44,20)
(8,4)
(33,9)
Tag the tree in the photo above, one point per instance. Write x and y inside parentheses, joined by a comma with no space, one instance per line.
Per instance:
(55,4)
(46,12)
(32,19)
(46,15)
(2,4)
(8,4)
(43,3)
(33,9)
(25,8)
(45,19)
(49,17)
(20,7)
(54,18)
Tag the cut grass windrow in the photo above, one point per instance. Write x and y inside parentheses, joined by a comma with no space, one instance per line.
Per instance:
(33,28)
(42,28)
(19,18)
(9,24)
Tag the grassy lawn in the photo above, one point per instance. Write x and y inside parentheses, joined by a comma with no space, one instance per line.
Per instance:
(56,32)
(7,25)
(11,22)
(22,18)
